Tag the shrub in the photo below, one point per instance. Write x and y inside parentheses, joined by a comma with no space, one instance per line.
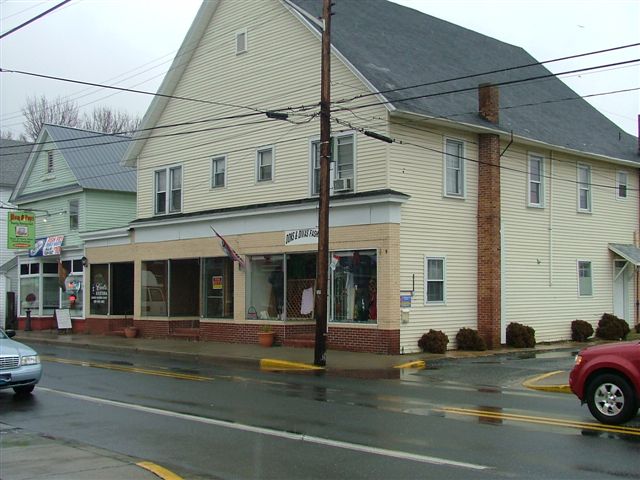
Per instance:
(469,339)
(637,328)
(520,336)
(611,327)
(581,330)
(434,341)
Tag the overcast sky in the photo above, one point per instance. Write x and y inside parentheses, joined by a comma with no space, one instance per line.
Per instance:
(131,43)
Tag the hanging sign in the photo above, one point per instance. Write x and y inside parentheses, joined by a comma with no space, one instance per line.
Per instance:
(301,236)
(21,229)
(45,247)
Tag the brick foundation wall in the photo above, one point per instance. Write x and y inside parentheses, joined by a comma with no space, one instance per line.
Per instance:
(385,342)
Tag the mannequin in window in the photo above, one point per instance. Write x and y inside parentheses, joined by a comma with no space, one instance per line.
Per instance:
(276,279)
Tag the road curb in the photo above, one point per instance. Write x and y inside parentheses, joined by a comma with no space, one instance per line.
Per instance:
(273,364)
(533,384)
(417,364)
(159,471)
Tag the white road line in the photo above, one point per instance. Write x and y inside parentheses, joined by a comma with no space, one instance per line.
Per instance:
(275,433)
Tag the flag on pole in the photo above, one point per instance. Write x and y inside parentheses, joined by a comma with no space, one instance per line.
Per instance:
(230,252)
(62,275)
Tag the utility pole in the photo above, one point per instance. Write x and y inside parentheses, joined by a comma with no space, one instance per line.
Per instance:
(322,280)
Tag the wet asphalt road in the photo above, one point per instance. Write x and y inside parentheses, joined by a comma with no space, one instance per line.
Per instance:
(463,418)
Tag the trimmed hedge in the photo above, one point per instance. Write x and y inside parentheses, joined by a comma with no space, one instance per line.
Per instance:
(637,327)
(520,336)
(434,341)
(611,327)
(469,339)
(581,330)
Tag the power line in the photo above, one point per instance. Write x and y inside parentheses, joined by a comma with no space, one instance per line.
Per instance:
(15,29)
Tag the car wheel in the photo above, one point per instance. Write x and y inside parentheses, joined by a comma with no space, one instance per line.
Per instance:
(610,399)
(26,390)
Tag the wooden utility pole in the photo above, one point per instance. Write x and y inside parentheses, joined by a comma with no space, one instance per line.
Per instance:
(322,280)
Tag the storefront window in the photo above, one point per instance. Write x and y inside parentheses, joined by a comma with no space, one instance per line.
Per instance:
(184,291)
(121,288)
(265,289)
(50,295)
(154,288)
(301,280)
(29,294)
(99,293)
(217,283)
(354,286)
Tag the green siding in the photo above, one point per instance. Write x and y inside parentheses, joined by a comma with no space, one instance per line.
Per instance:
(57,219)
(39,180)
(108,210)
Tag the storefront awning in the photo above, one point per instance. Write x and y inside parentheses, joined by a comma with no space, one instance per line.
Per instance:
(629,252)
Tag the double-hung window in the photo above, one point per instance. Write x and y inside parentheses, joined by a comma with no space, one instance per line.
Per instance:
(584,188)
(264,166)
(621,184)
(434,280)
(74,214)
(168,190)
(454,168)
(342,166)
(218,168)
(585,281)
(536,180)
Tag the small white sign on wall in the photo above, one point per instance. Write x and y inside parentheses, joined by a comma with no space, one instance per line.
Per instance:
(301,236)
(63,318)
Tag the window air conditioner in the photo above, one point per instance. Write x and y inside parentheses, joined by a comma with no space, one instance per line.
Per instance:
(342,184)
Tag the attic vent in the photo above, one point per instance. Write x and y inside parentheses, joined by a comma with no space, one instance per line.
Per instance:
(50,161)
(241,42)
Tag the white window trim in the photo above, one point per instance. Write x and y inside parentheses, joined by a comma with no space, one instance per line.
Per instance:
(444,279)
(332,165)
(211,176)
(463,195)
(578,262)
(588,189)
(535,156)
(246,41)
(265,148)
(77,213)
(167,200)
(618,184)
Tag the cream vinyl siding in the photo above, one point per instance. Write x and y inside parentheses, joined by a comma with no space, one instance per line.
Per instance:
(281,68)
(542,246)
(435,226)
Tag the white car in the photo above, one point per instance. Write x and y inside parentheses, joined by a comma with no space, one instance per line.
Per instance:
(20,366)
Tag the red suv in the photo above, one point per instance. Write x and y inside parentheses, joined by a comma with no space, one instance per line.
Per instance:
(607,378)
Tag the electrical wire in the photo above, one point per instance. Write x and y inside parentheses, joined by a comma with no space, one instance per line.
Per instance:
(37,17)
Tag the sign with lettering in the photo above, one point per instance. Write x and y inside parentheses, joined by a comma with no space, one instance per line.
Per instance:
(21,231)
(301,236)
(45,247)
(216,282)
(63,318)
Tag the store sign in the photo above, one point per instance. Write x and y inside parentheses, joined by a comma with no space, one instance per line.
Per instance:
(216,282)
(21,231)
(301,236)
(48,246)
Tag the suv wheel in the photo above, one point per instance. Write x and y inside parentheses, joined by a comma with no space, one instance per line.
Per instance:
(610,399)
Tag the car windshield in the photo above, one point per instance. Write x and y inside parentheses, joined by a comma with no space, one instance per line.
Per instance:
(2,334)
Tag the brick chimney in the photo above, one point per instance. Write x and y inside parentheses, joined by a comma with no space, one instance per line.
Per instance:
(489,294)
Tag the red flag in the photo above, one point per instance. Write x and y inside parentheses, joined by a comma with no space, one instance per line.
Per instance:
(62,275)
(230,252)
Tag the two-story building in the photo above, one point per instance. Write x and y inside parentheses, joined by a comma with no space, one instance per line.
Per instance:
(74,183)
(503,197)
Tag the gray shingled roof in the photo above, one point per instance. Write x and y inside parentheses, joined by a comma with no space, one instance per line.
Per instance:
(94,158)
(13,156)
(395,46)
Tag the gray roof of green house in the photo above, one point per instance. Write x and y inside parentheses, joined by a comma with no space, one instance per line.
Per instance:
(394,46)
(94,158)
(13,157)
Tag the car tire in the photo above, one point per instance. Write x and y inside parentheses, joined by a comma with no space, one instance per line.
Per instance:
(26,390)
(611,399)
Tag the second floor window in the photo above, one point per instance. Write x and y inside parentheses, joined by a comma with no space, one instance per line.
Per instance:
(584,188)
(74,214)
(265,165)
(168,190)
(218,167)
(536,177)
(621,185)
(454,168)
(342,167)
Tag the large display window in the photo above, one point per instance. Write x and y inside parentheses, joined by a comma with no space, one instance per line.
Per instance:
(266,287)
(154,288)
(217,286)
(354,286)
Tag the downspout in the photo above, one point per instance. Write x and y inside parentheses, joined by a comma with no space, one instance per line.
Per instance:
(550,218)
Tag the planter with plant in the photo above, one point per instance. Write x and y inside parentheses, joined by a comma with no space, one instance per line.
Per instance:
(266,336)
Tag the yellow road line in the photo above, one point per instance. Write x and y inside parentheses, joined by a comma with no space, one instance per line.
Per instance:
(159,471)
(272,364)
(124,368)
(542,420)
(417,364)
(532,383)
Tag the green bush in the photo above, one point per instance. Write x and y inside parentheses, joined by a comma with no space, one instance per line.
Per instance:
(637,328)
(611,327)
(434,341)
(469,339)
(581,330)
(520,336)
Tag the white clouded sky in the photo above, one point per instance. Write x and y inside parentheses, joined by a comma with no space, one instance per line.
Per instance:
(131,43)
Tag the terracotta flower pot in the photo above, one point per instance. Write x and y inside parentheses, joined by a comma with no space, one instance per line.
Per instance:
(266,338)
(131,332)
